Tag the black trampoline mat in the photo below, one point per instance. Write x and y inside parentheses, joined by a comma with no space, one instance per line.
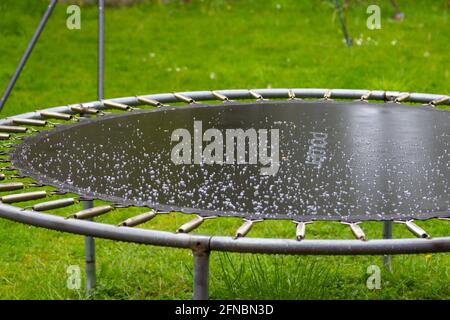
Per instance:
(347,161)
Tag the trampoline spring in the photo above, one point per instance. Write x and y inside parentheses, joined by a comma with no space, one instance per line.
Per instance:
(116,105)
(31,122)
(20,197)
(245,228)
(11,186)
(56,115)
(356,230)
(365,97)
(184,98)
(327,94)
(92,212)
(54,204)
(4,136)
(193,224)
(300,230)
(438,101)
(256,95)
(150,102)
(18,176)
(34,184)
(118,205)
(84,110)
(13,129)
(402,97)
(220,96)
(8,168)
(4,160)
(415,229)
(139,219)
(57,192)
(292,96)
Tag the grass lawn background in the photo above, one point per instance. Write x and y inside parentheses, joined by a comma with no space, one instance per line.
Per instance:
(206,45)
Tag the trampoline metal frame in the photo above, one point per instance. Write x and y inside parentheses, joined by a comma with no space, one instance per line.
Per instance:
(202,245)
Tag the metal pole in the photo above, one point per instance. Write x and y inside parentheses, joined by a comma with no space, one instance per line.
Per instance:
(89,246)
(348,40)
(101,38)
(90,241)
(387,234)
(27,53)
(201,274)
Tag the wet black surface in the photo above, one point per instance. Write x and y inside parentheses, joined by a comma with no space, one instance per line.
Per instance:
(337,161)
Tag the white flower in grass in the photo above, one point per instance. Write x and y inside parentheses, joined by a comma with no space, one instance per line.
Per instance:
(359,41)
(212,75)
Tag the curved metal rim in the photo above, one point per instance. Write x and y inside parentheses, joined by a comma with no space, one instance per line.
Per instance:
(216,243)
(377,95)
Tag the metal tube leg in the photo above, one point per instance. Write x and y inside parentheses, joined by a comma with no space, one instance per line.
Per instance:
(101,50)
(387,234)
(89,242)
(89,247)
(201,274)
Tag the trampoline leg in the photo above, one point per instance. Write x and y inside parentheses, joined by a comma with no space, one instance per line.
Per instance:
(89,246)
(89,242)
(101,53)
(201,274)
(387,234)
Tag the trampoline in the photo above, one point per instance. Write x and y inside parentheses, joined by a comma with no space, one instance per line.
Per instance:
(264,154)
(369,161)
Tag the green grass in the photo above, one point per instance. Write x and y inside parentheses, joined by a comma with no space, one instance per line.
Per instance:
(218,44)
